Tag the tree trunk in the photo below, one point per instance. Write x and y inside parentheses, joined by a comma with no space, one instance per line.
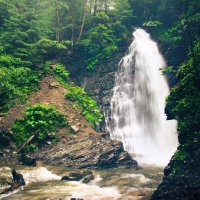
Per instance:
(95,7)
(72,38)
(27,142)
(106,6)
(57,22)
(83,21)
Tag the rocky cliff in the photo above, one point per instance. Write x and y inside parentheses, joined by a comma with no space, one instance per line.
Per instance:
(181,179)
(99,83)
(94,152)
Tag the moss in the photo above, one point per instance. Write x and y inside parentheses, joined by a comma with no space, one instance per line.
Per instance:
(181,155)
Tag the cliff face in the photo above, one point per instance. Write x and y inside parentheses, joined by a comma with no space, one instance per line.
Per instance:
(181,179)
(98,83)
(94,152)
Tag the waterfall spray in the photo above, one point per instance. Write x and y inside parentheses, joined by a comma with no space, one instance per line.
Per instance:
(137,107)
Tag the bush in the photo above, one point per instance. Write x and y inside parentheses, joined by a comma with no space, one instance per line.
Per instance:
(89,108)
(61,74)
(9,61)
(50,49)
(39,120)
(16,84)
(183,105)
(99,44)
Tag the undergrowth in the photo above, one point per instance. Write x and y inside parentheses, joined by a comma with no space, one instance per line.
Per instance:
(39,120)
(89,107)
(16,84)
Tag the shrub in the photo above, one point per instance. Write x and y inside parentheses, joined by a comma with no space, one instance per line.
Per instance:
(99,44)
(39,120)
(61,74)
(59,71)
(89,108)
(51,49)
(9,61)
(16,84)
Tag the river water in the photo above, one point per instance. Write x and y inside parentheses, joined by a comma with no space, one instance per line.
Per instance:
(43,183)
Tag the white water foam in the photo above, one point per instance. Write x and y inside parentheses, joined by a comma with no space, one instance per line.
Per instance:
(39,174)
(137,106)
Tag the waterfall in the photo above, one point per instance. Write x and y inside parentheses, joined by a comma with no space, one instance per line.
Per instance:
(137,115)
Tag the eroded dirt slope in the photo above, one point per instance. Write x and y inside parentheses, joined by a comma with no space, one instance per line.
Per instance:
(85,148)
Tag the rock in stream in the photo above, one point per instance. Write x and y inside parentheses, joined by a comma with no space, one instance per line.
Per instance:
(88,152)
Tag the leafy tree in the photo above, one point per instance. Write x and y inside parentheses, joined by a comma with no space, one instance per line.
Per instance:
(99,44)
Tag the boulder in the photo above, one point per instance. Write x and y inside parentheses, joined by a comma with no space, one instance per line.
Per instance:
(13,187)
(53,85)
(88,178)
(75,128)
(181,179)
(3,114)
(6,151)
(27,160)
(76,199)
(89,152)
(16,183)
(86,175)
(3,181)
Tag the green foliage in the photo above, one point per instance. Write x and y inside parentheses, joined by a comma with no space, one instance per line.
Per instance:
(152,23)
(168,70)
(48,49)
(39,120)
(105,31)
(181,155)
(59,71)
(124,13)
(89,108)
(25,35)
(61,74)
(99,44)
(10,61)
(33,32)
(183,104)
(16,84)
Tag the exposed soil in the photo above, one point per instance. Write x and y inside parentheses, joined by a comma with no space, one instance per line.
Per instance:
(47,95)
(50,96)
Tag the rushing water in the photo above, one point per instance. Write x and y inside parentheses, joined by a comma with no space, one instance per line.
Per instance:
(137,106)
(43,183)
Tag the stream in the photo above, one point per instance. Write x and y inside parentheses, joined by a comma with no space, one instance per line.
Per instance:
(43,183)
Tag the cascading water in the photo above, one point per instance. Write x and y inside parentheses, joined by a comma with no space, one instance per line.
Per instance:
(137,107)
